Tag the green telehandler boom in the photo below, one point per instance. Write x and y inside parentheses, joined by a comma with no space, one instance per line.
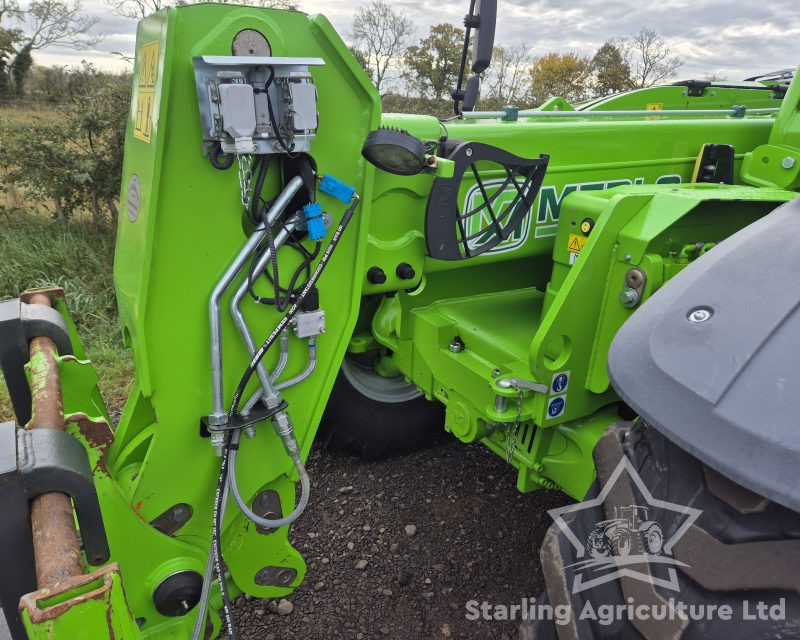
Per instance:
(287,255)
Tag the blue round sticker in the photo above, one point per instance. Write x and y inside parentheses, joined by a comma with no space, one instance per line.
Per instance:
(555,407)
(560,382)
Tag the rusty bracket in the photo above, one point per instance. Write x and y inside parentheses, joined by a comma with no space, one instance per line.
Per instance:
(19,323)
(33,463)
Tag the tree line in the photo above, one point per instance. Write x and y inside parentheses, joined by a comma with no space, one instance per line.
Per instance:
(420,75)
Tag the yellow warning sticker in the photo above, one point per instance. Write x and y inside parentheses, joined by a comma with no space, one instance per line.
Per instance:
(146,94)
(575,243)
(654,106)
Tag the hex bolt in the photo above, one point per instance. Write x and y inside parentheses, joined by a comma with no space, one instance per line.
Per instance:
(457,345)
(788,162)
(628,298)
(699,315)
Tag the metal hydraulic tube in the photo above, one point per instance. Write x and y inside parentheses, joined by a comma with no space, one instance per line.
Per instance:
(241,324)
(267,392)
(218,414)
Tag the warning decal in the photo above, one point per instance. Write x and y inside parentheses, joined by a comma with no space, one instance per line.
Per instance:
(146,91)
(575,243)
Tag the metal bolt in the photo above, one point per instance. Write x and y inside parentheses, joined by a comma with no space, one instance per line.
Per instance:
(629,298)
(495,373)
(469,152)
(457,345)
(700,315)
(250,432)
(628,257)
(788,162)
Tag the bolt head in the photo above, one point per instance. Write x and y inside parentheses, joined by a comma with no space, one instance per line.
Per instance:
(628,298)
(469,152)
(788,162)
(699,315)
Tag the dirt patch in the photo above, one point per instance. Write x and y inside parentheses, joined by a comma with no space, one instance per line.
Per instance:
(396,548)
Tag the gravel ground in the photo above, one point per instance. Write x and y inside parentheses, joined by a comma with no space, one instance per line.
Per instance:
(396,548)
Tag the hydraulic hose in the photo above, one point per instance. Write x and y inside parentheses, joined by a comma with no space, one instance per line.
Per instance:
(202,605)
(305,490)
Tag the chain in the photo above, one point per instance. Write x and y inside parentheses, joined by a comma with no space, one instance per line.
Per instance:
(513,430)
(245,176)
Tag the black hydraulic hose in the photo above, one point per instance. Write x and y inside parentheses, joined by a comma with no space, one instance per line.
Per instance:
(237,397)
(227,607)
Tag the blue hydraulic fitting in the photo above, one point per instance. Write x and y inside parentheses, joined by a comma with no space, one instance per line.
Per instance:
(336,188)
(315,223)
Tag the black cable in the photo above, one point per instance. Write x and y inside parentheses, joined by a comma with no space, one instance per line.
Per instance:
(227,607)
(255,199)
(257,357)
(213,158)
(282,301)
(272,119)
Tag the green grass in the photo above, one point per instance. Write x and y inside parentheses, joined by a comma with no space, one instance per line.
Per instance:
(36,251)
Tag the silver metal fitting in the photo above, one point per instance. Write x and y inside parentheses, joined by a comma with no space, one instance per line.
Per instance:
(218,440)
(788,162)
(309,323)
(519,383)
(629,297)
(699,315)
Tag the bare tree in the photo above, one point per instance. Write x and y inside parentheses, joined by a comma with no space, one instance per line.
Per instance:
(380,34)
(650,59)
(58,23)
(9,9)
(505,80)
(139,9)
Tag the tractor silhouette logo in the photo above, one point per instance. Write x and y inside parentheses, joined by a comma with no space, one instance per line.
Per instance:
(632,542)
(628,533)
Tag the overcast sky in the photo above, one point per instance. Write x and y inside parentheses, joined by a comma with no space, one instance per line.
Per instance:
(729,39)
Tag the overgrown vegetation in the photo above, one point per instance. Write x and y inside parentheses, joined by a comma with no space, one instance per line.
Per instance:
(37,252)
(70,158)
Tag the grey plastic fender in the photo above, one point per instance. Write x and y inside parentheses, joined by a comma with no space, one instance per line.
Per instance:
(712,360)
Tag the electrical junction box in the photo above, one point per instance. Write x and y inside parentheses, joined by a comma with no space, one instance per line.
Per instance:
(255,104)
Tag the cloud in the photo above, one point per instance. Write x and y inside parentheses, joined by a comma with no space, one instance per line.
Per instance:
(736,43)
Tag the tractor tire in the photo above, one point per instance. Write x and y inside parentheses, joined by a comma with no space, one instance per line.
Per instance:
(372,416)
(741,548)
(625,543)
(653,538)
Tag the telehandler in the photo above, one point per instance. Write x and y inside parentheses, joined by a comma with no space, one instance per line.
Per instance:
(288,255)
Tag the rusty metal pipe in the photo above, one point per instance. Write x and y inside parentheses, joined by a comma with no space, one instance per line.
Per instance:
(55,538)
